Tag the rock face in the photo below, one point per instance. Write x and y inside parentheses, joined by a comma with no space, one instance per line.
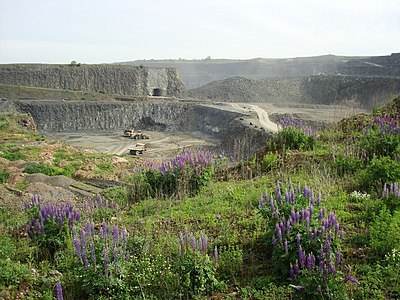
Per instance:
(112,79)
(364,92)
(72,116)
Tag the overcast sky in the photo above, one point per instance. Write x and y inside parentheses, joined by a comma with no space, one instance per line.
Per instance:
(99,31)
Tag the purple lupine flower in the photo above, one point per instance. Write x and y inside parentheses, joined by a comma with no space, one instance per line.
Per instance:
(78,247)
(321,254)
(297,287)
(287,198)
(298,239)
(337,227)
(92,229)
(276,213)
(321,266)
(278,189)
(205,243)
(291,195)
(288,223)
(87,226)
(310,262)
(278,232)
(291,272)
(319,289)
(331,268)
(186,235)
(115,234)
(215,254)
(85,260)
(193,242)
(73,231)
(272,204)
(307,191)
(348,277)
(296,268)
(299,189)
(293,214)
(307,222)
(59,291)
(337,257)
(327,249)
(302,257)
(105,254)
(261,203)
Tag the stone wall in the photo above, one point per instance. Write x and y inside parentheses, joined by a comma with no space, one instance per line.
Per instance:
(112,79)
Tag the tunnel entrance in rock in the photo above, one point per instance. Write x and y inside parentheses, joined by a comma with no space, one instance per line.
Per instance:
(157,92)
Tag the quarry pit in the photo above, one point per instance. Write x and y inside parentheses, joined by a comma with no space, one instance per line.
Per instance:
(173,125)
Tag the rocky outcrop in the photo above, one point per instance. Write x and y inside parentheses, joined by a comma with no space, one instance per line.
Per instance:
(364,92)
(112,79)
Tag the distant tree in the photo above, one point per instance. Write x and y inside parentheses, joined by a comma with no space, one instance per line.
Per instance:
(73,63)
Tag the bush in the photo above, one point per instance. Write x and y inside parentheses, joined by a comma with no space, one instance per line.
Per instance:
(384,233)
(4,177)
(270,161)
(12,273)
(230,263)
(49,226)
(294,139)
(49,170)
(186,173)
(378,172)
(196,269)
(13,155)
(305,242)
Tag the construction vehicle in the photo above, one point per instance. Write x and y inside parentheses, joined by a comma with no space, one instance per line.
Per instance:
(135,135)
(139,148)
(129,132)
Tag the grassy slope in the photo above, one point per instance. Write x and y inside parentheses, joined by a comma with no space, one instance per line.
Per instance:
(228,213)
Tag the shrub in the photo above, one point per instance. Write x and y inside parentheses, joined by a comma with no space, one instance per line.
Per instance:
(384,232)
(270,161)
(294,139)
(4,177)
(306,241)
(378,172)
(49,225)
(230,262)
(49,170)
(13,155)
(195,267)
(186,173)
